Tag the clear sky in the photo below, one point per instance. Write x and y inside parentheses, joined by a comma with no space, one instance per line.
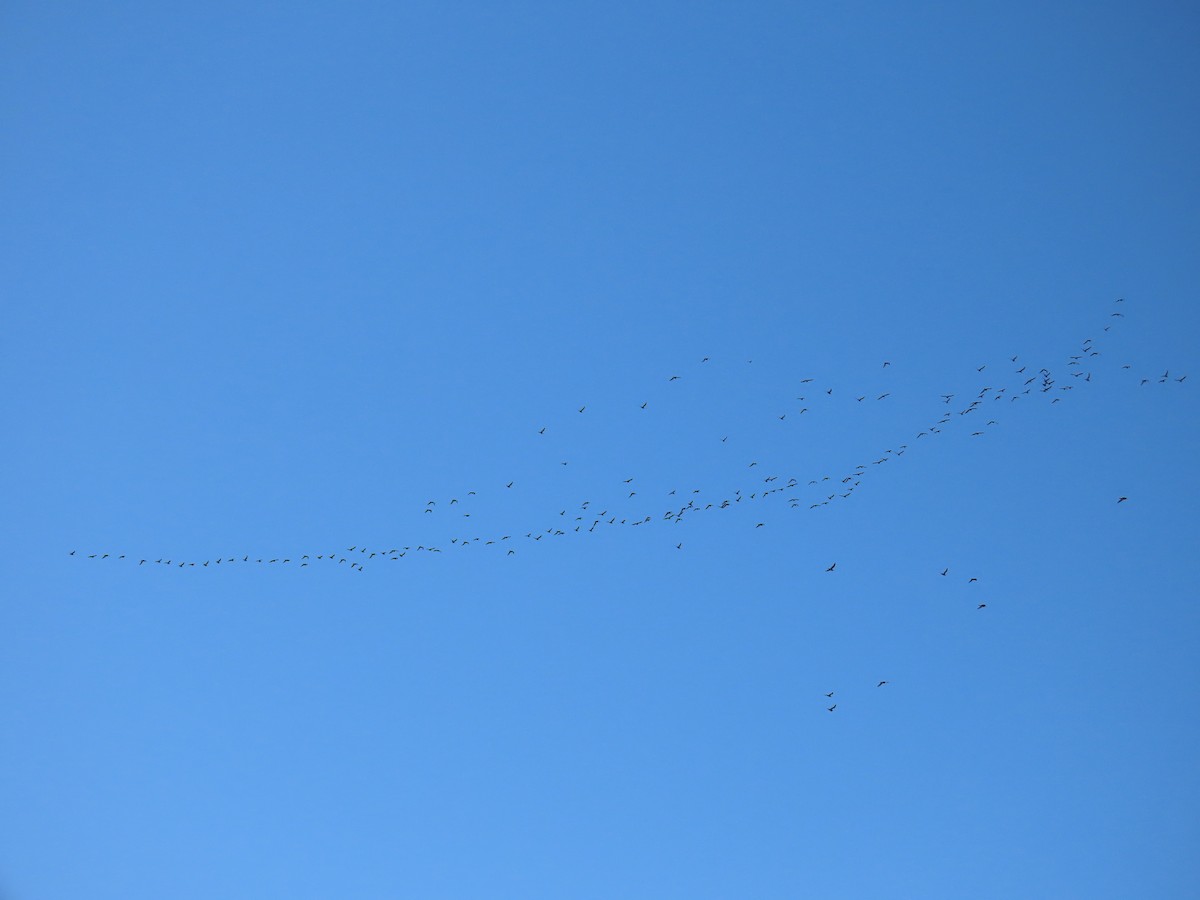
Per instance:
(276,276)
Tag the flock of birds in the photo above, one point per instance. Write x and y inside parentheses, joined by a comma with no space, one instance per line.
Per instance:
(1024,382)
(1021,382)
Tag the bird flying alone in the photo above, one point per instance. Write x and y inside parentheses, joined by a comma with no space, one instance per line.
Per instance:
(831,568)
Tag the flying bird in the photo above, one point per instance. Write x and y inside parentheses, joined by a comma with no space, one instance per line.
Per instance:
(881,684)
(831,568)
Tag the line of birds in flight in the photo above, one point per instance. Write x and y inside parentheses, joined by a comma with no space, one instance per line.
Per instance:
(588,517)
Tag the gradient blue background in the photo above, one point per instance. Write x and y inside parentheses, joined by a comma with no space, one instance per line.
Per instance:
(275,275)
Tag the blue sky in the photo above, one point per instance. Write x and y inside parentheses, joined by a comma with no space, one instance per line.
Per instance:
(276,277)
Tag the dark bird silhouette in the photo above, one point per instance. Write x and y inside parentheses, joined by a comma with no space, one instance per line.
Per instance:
(830,694)
(982,606)
(510,484)
(673,378)
(582,408)
(881,684)
(945,571)
(542,431)
(969,580)
(1122,499)
(886,364)
(831,568)
(831,708)
(644,404)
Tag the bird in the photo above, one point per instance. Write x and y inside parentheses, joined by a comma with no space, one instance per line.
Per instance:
(1122,499)
(945,571)
(969,580)
(881,684)
(886,364)
(644,404)
(830,694)
(831,568)
(673,378)
(982,606)
(831,708)
(510,484)
(582,408)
